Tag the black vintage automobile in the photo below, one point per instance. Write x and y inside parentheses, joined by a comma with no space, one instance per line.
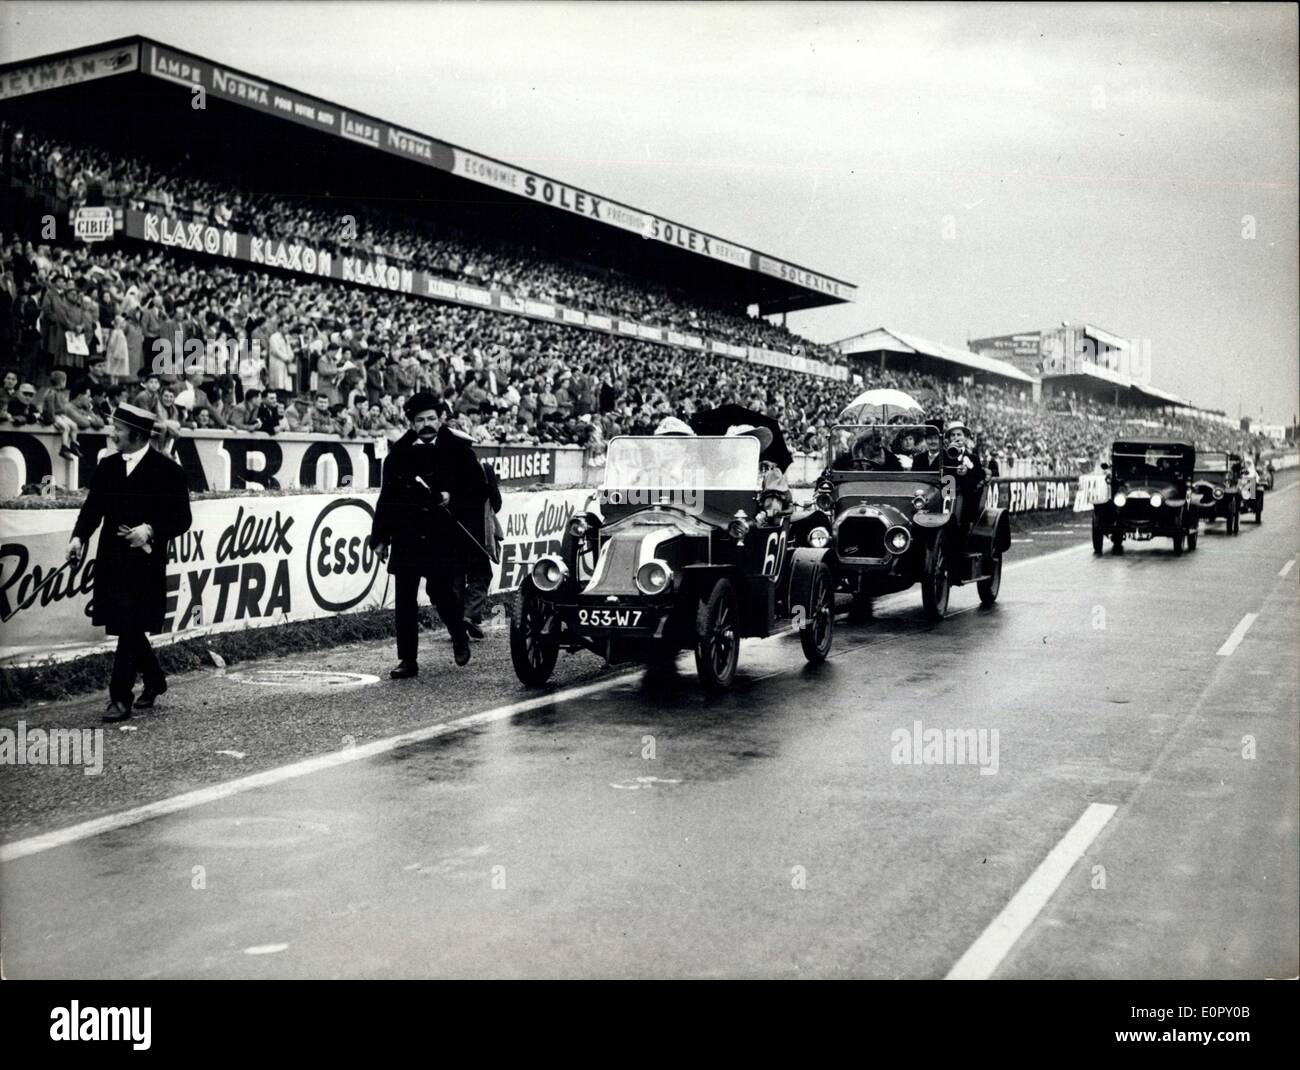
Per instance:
(890,525)
(1217,488)
(681,549)
(1150,485)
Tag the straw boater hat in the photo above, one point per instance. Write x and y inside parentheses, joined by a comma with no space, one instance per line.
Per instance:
(141,420)
(671,425)
(763,434)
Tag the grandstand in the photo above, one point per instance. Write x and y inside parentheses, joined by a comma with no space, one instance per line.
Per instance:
(338,263)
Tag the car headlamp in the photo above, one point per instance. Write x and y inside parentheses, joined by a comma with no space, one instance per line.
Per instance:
(1218,493)
(1120,499)
(1157,500)
(578,527)
(898,539)
(549,572)
(653,577)
(819,538)
(918,503)
(824,501)
(739,526)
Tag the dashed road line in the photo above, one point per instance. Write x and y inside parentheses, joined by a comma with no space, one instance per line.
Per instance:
(985,955)
(1238,634)
(1287,567)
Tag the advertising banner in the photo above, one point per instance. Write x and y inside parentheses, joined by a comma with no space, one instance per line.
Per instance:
(309,259)
(1032,495)
(246,562)
(70,70)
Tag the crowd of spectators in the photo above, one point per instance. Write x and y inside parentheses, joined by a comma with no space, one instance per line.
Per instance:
(76,174)
(272,353)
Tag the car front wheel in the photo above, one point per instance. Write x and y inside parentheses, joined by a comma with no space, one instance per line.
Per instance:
(532,650)
(935,585)
(1098,536)
(1259,508)
(717,644)
(1179,538)
(1192,536)
(988,589)
(817,629)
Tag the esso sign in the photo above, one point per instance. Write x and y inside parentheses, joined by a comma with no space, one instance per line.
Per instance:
(341,567)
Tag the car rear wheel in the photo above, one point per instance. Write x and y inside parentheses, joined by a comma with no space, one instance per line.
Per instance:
(818,627)
(717,645)
(935,585)
(532,651)
(988,589)
(1098,536)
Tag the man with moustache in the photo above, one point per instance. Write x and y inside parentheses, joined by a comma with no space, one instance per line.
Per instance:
(142,500)
(432,499)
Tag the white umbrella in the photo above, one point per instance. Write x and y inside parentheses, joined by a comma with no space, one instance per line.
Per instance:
(877,405)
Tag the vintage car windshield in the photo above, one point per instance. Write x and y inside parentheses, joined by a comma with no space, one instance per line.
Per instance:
(1154,462)
(682,462)
(1212,462)
(858,447)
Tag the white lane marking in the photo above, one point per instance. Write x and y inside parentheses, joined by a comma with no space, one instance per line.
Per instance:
(1238,634)
(266,949)
(1287,567)
(985,955)
(355,753)
(201,796)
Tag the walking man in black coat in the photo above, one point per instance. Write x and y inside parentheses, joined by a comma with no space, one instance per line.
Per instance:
(142,500)
(431,501)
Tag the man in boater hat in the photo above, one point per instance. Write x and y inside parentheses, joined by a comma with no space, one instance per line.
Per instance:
(430,504)
(142,500)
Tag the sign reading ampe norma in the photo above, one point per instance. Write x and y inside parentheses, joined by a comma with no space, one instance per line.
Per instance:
(245,562)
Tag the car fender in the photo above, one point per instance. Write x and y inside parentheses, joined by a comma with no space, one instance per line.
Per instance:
(992,532)
(803,565)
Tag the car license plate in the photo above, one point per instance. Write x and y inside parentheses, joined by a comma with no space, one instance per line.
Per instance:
(613,617)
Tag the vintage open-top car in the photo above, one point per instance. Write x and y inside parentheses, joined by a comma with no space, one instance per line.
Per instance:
(890,526)
(1150,484)
(1216,482)
(681,549)
(1250,488)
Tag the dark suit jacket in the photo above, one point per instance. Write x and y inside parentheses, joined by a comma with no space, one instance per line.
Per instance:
(423,535)
(130,590)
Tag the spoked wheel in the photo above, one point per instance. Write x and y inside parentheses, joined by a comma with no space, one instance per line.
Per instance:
(988,589)
(532,651)
(717,644)
(1098,536)
(935,585)
(819,626)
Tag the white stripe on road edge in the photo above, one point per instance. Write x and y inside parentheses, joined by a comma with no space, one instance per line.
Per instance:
(986,954)
(1238,634)
(1287,567)
(48,841)
(110,823)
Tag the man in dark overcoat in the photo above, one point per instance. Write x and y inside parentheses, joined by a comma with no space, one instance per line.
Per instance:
(142,500)
(430,502)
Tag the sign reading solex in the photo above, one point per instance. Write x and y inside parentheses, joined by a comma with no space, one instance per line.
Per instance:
(248,561)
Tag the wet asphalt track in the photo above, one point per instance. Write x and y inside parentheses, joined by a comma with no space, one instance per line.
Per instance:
(771,834)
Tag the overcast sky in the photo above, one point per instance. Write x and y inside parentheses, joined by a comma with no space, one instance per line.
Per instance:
(1097,162)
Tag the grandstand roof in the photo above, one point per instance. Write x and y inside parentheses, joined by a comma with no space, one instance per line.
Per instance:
(688,256)
(892,341)
(1138,391)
